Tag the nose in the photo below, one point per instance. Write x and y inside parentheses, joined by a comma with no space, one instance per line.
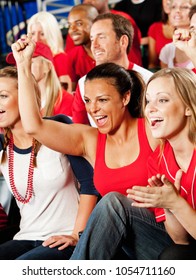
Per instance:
(72,28)
(94,43)
(150,108)
(92,107)
(36,37)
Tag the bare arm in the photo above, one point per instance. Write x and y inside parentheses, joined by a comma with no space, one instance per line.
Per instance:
(86,205)
(68,139)
(185,40)
(180,216)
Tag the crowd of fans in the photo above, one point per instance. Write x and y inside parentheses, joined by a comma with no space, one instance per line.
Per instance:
(98,133)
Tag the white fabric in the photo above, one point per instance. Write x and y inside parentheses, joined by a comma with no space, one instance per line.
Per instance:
(167,55)
(53,208)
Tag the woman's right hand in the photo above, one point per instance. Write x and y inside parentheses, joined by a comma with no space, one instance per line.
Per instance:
(23,49)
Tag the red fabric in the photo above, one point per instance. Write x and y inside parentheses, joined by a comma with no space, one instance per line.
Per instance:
(79,114)
(194,70)
(120,179)
(65,105)
(59,63)
(78,63)
(3,218)
(168,166)
(156,32)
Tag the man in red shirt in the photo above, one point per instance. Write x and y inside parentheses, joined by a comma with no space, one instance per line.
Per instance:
(79,60)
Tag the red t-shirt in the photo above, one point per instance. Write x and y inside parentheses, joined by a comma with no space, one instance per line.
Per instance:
(59,61)
(194,70)
(64,106)
(167,165)
(78,63)
(156,32)
(120,179)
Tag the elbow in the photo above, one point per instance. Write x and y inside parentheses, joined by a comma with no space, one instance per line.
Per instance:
(31,129)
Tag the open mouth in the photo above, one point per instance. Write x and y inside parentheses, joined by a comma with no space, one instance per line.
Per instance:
(101,120)
(154,121)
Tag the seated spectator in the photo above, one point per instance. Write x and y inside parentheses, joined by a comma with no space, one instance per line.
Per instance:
(55,100)
(124,140)
(134,55)
(185,40)
(130,223)
(54,208)
(80,59)
(170,56)
(44,27)
(111,40)
(159,34)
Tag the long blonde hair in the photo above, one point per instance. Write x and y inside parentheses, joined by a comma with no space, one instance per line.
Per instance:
(50,28)
(53,91)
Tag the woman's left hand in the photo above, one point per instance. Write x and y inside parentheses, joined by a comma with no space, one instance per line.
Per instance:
(62,241)
(160,192)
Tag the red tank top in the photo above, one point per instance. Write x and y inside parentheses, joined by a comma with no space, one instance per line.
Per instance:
(120,179)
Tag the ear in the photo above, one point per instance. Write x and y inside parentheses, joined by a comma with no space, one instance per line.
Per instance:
(188,112)
(126,98)
(124,41)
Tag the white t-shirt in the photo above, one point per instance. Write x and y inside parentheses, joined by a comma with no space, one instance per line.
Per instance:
(53,208)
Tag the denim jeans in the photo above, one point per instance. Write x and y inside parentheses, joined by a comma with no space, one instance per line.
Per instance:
(32,250)
(114,224)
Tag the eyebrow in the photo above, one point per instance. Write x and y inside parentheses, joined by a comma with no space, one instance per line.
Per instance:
(159,92)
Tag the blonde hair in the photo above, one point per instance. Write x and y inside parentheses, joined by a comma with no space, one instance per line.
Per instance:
(53,91)
(185,84)
(51,30)
(11,72)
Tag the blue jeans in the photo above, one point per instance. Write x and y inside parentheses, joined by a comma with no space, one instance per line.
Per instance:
(113,225)
(32,250)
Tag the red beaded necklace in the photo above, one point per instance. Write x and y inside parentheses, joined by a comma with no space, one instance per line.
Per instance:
(29,191)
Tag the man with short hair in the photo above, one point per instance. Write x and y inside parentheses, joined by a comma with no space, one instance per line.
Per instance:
(111,39)
(102,7)
(80,60)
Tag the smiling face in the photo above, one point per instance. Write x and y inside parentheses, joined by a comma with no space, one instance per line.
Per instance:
(79,27)
(105,104)
(105,46)
(165,111)
(179,13)
(9,112)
